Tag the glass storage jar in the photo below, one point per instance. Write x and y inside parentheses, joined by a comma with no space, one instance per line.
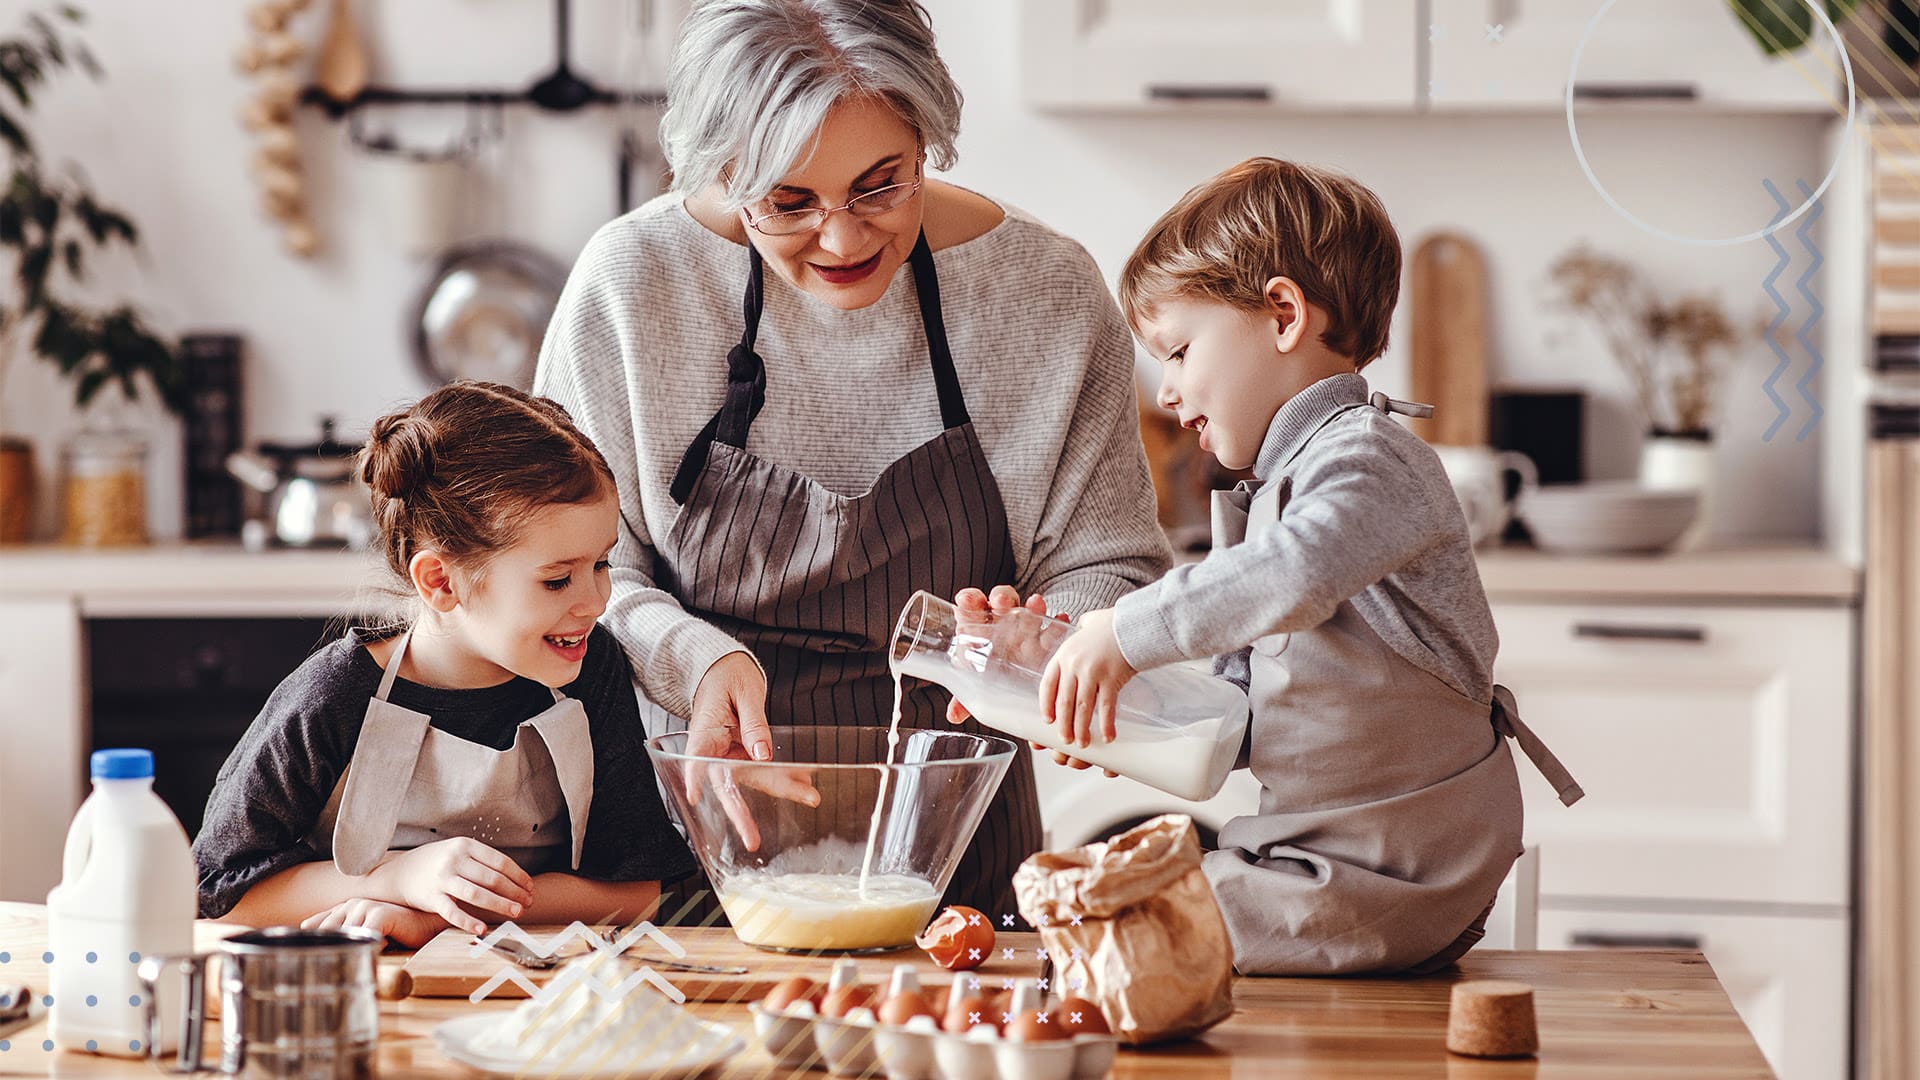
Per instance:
(104,496)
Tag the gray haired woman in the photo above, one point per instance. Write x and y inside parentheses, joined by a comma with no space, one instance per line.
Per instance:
(929,390)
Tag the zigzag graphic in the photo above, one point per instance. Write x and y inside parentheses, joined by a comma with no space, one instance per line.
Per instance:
(1813,368)
(575,975)
(579,931)
(1780,318)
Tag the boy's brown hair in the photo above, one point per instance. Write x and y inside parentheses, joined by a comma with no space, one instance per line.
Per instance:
(1267,218)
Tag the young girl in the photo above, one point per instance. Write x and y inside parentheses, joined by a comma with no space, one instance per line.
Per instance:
(411,778)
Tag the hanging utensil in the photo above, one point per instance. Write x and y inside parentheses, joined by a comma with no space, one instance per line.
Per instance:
(562,90)
(341,69)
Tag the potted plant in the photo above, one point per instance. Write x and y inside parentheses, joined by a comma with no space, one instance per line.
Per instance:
(1673,347)
(51,226)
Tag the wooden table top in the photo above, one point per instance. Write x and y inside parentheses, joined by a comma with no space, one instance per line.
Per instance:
(1601,1015)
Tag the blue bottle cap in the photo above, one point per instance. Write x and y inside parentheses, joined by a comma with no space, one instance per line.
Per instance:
(122,764)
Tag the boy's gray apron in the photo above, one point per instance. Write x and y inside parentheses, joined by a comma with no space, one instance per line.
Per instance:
(410,785)
(812,582)
(1389,806)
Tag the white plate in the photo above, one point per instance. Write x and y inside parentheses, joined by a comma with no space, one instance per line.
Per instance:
(456,1040)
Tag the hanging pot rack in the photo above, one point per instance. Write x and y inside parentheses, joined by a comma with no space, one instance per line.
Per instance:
(561,90)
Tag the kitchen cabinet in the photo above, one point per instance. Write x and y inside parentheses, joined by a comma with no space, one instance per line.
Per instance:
(1786,976)
(1714,743)
(41,740)
(1517,54)
(1130,54)
(49,596)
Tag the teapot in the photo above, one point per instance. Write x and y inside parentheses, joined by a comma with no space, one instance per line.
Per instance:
(314,494)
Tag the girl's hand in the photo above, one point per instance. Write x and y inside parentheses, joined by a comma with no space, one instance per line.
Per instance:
(409,928)
(1082,682)
(441,876)
(978,605)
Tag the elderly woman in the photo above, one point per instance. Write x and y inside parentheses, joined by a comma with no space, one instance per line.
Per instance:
(927,389)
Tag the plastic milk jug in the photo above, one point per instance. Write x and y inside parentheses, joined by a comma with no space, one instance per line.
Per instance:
(127,890)
(1177,728)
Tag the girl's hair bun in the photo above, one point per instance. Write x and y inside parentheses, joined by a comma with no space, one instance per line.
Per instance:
(398,460)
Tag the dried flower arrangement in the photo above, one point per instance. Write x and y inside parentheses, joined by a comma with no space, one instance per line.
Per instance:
(1672,348)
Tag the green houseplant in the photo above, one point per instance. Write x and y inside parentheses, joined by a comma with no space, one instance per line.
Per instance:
(1781,26)
(51,226)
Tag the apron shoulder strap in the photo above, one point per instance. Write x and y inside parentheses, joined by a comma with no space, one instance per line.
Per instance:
(569,738)
(746,388)
(926,286)
(1506,720)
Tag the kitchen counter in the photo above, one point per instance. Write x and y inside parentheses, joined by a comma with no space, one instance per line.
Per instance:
(1757,573)
(1601,1014)
(216,578)
(194,578)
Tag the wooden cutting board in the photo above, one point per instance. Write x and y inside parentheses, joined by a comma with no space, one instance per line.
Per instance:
(1448,339)
(444,968)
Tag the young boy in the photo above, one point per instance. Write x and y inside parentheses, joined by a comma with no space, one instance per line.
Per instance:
(1341,593)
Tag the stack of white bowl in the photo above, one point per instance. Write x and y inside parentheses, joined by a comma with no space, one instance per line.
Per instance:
(1606,517)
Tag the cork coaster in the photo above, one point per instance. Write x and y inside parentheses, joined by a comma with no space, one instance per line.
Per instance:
(1492,1018)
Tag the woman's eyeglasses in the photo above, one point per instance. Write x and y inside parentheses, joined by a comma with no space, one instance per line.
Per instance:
(872,204)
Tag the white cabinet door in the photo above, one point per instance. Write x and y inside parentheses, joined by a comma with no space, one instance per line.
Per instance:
(1518,54)
(1104,54)
(42,742)
(1787,976)
(1713,743)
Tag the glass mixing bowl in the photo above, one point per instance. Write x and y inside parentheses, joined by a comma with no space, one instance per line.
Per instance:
(828,848)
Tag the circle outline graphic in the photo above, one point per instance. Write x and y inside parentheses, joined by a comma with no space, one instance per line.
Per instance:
(1579,152)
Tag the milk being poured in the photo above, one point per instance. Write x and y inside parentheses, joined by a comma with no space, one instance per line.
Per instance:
(886,778)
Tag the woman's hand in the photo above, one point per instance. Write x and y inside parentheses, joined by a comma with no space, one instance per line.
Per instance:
(1081,686)
(730,711)
(730,721)
(441,876)
(409,928)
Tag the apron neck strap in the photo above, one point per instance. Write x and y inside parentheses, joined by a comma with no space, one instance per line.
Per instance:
(393,665)
(747,372)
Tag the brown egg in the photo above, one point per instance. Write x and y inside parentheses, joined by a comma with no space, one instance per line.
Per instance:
(789,991)
(1036,1025)
(846,999)
(904,1006)
(1092,1021)
(960,939)
(959,1018)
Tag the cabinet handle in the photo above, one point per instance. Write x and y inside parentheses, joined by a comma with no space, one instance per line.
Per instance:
(1607,939)
(1206,92)
(1621,632)
(1636,91)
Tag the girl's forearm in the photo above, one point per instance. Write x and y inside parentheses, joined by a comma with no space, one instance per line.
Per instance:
(563,898)
(299,891)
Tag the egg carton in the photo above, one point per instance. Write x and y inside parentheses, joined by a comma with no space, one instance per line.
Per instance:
(859,1045)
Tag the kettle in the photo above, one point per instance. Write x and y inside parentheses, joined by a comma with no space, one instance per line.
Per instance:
(314,493)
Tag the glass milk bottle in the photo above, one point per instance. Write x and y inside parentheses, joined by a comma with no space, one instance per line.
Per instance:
(127,889)
(1176,728)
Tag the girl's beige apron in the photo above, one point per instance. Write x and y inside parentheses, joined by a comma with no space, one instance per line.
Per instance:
(1389,806)
(410,785)
(812,581)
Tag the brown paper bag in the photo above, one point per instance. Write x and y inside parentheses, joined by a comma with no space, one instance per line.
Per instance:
(1134,919)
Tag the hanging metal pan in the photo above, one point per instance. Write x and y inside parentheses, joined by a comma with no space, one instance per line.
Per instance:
(484,312)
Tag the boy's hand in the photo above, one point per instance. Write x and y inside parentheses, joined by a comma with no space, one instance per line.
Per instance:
(409,928)
(441,876)
(1083,680)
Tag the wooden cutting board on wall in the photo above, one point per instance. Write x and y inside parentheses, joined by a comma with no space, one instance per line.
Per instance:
(444,967)
(1448,339)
